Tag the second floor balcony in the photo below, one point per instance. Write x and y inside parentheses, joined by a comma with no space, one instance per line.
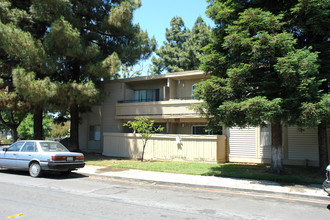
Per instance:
(160,109)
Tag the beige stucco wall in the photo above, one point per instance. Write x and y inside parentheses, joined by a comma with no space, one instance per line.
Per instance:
(93,117)
(168,147)
(184,88)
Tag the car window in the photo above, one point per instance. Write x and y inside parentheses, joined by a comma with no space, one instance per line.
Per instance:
(29,147)
(53,147)
(16,146)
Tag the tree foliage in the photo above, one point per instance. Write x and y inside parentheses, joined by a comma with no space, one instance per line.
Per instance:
(26,132)
(258,73)
(308,21)
(182,47)
(144,127)
(68,47)
(60,130)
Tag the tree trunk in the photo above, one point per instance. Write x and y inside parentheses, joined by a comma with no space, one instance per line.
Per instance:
(37,123)
(14,134)
(74,127)
(144,147)
(323,146)
(276,162)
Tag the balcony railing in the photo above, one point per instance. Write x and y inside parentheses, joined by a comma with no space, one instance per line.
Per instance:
(157,100)
(175,108)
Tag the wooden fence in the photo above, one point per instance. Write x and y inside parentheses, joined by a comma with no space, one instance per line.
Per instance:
(208,148)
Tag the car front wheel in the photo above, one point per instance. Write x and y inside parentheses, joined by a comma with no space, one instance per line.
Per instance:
(35,169)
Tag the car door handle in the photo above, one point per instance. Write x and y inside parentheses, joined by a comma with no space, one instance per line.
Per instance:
(14,154)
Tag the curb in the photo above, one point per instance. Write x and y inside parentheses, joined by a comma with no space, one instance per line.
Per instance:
(222,188)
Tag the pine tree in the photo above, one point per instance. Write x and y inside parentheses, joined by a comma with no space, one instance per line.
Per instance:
(75,46)
(13,46)
(182,47)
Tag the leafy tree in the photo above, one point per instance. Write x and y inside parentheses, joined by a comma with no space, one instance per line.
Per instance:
(12,110)
(26,130)
(11,120)
(258,74)
(307,20)
(71,46)
(182,47)
(317,114)
(59,130)
(145,128)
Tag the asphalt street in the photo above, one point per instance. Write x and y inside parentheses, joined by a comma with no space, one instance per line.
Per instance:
(81,197)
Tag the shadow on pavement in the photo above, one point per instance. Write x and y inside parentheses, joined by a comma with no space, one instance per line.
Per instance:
(46,174)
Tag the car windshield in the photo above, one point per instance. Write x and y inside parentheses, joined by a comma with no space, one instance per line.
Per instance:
(53,147)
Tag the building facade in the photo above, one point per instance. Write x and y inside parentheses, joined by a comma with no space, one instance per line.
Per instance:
(167,100)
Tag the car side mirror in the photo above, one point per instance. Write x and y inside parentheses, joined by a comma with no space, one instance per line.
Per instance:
(5,149)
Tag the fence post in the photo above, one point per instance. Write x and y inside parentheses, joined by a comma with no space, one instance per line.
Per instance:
(221,149)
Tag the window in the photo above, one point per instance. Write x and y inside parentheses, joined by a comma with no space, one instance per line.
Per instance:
(202,130)
(192,92)
(193,88)
(199,129)
(16,146)
(146,95)
(94,133)
(53,147)
(29,147)
(156,125)
(265,136)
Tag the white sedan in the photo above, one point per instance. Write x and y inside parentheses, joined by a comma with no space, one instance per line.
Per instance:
(37,156)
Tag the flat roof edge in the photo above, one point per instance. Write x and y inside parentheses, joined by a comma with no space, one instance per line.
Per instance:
(161,76)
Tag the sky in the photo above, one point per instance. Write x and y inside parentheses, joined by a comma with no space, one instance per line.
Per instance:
(155,16)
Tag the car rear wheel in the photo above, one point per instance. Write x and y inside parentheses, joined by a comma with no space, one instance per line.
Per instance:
(35,169)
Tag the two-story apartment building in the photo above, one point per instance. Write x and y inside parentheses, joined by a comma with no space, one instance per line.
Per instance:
(166,99)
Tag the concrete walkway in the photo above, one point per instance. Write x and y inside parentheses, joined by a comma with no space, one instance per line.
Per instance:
(310,191)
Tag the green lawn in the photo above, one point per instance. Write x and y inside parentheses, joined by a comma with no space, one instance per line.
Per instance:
(293,174)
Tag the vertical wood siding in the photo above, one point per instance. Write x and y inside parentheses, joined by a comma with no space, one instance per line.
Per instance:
(302,145)
(241,142)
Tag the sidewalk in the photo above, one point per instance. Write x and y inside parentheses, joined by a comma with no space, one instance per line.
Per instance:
(310,191)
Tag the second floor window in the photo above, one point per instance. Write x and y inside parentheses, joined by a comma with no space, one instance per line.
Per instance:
(146,95)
